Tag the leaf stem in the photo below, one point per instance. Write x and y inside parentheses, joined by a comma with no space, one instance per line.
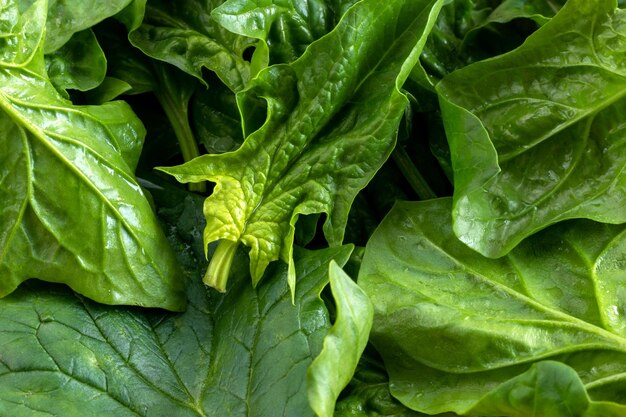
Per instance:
(219,267)
(412,174)
(178,115)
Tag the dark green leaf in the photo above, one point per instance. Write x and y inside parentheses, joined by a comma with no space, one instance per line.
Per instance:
(287,26)
(71,210)
(537,135)
(453,326)
(79,64)
(184,34)
(245,353)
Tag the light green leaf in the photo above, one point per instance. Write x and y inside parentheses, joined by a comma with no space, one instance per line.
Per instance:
(184,34)
(332,370)
(537,135)
(79,64)
(453,326)
(331,122)
(244,354)
(72,211)
(67,17)
(548,388)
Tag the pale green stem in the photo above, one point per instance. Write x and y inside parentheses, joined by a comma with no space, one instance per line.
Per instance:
(219,267)
(179,119)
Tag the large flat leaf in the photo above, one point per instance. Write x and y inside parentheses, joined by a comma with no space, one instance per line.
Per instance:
(453,326)
(71,209)
(245,353)
(332,117)
(537,135)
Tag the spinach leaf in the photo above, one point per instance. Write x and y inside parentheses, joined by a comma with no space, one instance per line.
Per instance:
(331,122)
(457,331)
(67,17)
(286,27)
(79,64)
(184,34)
(331,371)
(72,211)
(245,353)
(537,135)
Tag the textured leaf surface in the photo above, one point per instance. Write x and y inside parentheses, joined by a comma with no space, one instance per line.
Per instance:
(245,353)
(184,34)
(452,326)
(331,123)
(332,370)
(287,26)
(537,135)
(71,208)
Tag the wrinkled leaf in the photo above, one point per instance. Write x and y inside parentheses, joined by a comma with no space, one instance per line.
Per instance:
(537,135)
(245,353)
(453,326)
(331,371)
(72,211)
(331,123)
(286,26)
(184,34)
(79,64)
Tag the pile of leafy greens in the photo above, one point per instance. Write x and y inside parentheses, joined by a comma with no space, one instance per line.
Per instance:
(313,208)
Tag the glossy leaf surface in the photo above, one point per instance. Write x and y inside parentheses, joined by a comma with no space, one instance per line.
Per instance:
(71,210)
(226,355)
(331,122)
(537,135)
(454,327)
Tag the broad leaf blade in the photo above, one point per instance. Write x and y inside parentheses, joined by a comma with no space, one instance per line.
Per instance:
(550,145)
(452,325)
(68,180)
(245,353)
(332,120)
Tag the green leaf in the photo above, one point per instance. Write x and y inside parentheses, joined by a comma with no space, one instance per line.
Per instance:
(548,388)
(184,34)
(286,26)
(67,17)
(332,370)
(79,64)
(245,353)
(72,211)
(331,123)
(453,326)
(544,128)
(216,119)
